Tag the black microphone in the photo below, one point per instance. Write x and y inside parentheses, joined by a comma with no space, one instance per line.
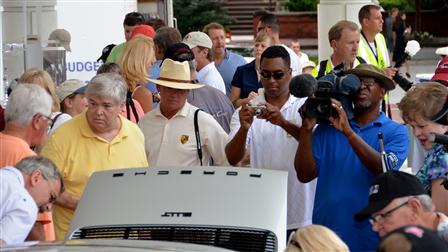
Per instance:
(439,138)
(303,85)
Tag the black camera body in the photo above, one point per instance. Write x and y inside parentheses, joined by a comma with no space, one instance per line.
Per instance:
(336,85)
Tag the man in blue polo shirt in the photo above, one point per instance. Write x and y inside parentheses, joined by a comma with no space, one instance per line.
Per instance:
(346,157)
(225,61)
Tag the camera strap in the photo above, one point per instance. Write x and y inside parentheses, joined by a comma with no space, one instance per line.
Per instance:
(198,136)
(371,49)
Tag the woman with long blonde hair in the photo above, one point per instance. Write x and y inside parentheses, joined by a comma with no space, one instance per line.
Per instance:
(135,61)
(43,79)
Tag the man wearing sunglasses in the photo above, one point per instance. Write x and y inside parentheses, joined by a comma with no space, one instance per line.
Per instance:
(271,135)
(346,156)
(398,199)
(33,183)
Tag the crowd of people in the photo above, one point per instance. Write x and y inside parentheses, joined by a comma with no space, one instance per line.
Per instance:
(163,99)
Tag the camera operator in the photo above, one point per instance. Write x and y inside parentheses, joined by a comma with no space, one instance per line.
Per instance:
(271,137)
(346,157)
(418,107)
(344,40)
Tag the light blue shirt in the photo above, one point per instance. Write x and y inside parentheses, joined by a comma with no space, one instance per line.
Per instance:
(227,68)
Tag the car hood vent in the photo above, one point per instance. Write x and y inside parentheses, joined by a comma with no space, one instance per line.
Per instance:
(228,238)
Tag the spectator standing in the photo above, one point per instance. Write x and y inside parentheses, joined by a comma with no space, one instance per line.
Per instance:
(277,126)
(419,107)
(95,140)
(344,180)
(388,32)
(131,20)
(344,40)
(295,46)
(246,81)
(71,95)
(372,44)
(27,125)
(401,31)
(170,131)
(269,24)
(225,61)
(33,183)
(201,45)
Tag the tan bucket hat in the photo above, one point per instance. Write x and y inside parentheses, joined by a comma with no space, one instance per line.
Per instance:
(367,70)
(174,74)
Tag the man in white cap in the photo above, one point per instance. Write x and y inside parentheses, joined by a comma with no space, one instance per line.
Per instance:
(71,95)
(201,44)
(177,133)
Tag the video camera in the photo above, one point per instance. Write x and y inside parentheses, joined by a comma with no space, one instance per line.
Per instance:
(336,85)
(412,47)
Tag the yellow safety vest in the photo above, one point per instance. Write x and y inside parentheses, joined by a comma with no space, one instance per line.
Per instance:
(381,49)
(329,67)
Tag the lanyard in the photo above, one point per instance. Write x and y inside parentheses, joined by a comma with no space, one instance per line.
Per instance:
(371,49)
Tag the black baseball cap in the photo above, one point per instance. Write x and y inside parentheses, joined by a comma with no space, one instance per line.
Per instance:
(105,53)
(387,187)
(412,239)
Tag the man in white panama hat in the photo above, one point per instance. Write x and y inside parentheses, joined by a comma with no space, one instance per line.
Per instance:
(171,134)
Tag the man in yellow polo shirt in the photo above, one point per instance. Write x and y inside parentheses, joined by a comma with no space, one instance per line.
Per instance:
(372,45)
(97,139)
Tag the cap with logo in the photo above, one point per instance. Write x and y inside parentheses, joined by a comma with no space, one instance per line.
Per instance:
(387,187)
(63,37)
(441,70)
(105,53)
(197,38)
(69,87)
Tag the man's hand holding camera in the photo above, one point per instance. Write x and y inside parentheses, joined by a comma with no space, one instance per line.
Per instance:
(340,122)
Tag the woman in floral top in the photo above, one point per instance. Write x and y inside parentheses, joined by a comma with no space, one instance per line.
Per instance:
(418,107)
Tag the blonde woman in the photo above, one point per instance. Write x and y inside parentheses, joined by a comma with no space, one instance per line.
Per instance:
(138,56)
(315,238)
(43,79)
(246,80)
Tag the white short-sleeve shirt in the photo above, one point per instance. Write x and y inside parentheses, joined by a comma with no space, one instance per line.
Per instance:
(18,210)
(271,147)
(209,75)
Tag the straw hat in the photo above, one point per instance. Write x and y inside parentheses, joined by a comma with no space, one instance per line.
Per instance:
(174,74)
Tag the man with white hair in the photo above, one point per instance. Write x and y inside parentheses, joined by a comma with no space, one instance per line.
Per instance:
(398,199)
(26,123)
(95,140)
(33,183)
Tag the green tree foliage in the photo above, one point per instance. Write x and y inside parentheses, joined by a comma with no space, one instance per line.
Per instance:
(192,15)
(402,5)
(301,5)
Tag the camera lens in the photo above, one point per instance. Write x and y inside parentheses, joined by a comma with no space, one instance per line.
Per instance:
(324,107)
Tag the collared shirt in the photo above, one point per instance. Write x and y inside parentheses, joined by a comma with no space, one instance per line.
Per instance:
(209,75)
(271,147)
(344,181)
(78,152)
(227,68)
(246,79)
(173,142)
(18,210)
(116,53)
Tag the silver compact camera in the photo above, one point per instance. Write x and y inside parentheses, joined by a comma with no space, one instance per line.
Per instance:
(258,109)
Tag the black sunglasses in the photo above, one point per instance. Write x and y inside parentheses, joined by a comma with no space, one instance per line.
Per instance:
(276,75)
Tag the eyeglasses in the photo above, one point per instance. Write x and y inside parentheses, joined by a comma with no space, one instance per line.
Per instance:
(379,218)
(52,193)
(368,82)
(276,75)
